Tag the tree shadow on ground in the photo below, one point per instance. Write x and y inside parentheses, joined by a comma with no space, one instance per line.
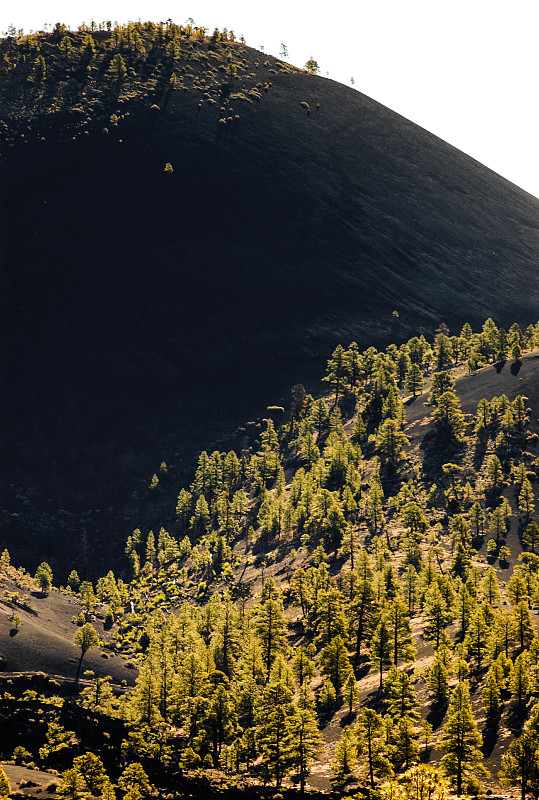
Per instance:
(515,367)
(437,714)
(490,735)
(425,754)
(516,717)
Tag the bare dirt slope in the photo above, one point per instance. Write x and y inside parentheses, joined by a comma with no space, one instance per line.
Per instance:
(44,641)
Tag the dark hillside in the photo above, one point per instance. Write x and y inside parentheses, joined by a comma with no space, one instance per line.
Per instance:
(145,313)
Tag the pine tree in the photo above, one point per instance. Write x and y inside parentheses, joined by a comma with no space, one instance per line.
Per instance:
(362,613)
(220,719)
(302,666)
(520,680)
(328,612)
(477,636)
(391,440)
(334,663)
(413,380)
(438,680)
(477,518)
(345,758)
(524,627)
(381,651)
(5,788)
(305,736)
(91,769)
(490,694)
(350,692)
(438,613)
(275,730)
(400,631)
(461,740)
(494,471)
(85,638)
(43,577)
(463,606)
(370,744)
(270,626)
(134,776)
(405,744)
(530,537)
(489,586)
(526,504)
(117,68)
(449,419)
(521,763)
(401,697)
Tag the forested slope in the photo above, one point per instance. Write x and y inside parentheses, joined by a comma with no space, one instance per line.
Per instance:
(350,602)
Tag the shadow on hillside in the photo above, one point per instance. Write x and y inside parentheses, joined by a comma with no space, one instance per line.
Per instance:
(437,714)
(436,455)
(412,400)
(425,754)
(517,717)
(515,367)
(490,736)
(479,455)
(499,365)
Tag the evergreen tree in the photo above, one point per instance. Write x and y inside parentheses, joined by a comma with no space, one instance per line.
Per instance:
(350,692)
(524,628)
(414,379)
(489,586)
(117,68)
(370,744)
(381,651)
(220,719)
(520,681)
(85,638)
(477,636)
(405,744)
(270,626)
(438,680)
(521,763)
(401,697)
(530,537)
(449,418)
(461,740)
(335,663)
(5,788)
(91,770)
(526,504)
(345,758)
(305,736)
(438,613)
(490,694)
(275,730)
(401,632)
(302,666)
(43,577)
(391,440)
(362,612)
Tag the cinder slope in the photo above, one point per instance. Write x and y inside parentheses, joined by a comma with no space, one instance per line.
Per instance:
(144,312)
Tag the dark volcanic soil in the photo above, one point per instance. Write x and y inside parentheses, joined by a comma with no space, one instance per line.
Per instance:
(146,314)
(44,641)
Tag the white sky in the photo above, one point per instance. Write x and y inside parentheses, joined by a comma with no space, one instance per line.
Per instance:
(467,70)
